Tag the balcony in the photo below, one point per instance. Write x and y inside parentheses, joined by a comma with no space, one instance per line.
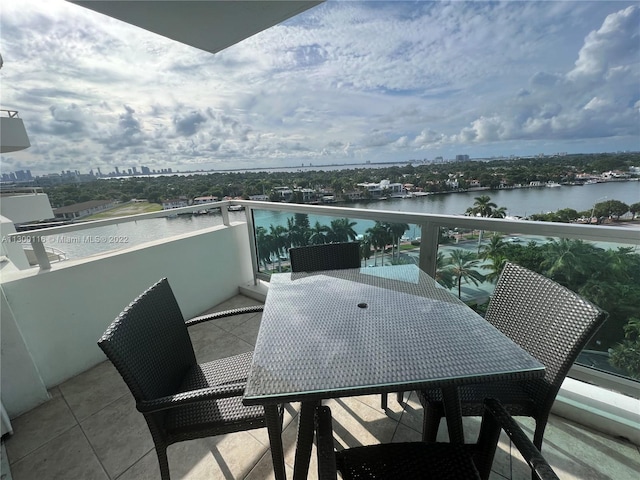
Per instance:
(63,397)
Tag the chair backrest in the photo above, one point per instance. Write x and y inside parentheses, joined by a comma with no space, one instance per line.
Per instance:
(149,344)
(328,256)
(549,321)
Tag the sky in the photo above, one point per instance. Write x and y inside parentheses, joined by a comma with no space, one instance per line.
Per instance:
(344,82)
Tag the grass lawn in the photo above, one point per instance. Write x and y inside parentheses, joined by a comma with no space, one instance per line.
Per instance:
(126,209)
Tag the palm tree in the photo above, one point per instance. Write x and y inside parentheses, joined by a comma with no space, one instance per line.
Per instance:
(318,234)
(341,230)
(495,248)
(279,242)
(379,239)
(264,240)
(482,206)
(499,212)
(444,275)
(396,230)
(463,265)
(365,248)
(569,261)
(496,266)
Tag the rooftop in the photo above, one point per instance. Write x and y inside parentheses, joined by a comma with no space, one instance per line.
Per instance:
(90,429)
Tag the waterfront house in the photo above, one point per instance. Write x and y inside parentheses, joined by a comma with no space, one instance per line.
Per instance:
(172,203)
(204,199)
(83,209)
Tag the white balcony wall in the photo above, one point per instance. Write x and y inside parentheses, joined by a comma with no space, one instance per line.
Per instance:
(26,207)
(58,315)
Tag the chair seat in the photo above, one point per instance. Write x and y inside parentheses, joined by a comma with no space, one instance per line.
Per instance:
(407,461)
(214,417)
(512,396)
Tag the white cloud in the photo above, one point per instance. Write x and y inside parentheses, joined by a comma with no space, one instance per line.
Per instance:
(376,81)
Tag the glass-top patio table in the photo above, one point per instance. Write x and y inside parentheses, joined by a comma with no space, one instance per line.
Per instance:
(371,330)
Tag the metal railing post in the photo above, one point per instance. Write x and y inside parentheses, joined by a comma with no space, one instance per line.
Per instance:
(429,248)
(224,211)
(40,253)
(252,243)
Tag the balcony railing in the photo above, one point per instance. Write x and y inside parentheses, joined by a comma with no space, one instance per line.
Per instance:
(429,225)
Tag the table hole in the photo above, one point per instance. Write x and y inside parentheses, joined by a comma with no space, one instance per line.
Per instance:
(362,305)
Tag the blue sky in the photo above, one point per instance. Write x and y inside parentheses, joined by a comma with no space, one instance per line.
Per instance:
(343,82)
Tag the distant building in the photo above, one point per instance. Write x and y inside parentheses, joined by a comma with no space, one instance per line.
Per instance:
(205,199)
(259,198)
(308,194)
(83,209)
(283,193)
(174,203)
(462,158)
(376,190)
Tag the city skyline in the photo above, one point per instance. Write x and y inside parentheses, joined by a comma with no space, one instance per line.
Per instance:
(344,82)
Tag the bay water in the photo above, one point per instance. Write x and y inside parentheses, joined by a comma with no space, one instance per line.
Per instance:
(518,202)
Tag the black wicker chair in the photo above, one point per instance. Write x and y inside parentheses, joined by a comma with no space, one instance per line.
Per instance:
(328,256)
(180,399)
(400,461)
(550,322)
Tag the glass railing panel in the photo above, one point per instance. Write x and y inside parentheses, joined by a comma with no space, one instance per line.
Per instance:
(605,273)
(92,240)
(383,242)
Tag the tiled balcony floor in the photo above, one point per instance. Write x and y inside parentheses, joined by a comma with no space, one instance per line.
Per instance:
(91,430)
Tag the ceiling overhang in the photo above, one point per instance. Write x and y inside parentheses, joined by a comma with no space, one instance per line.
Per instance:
(210,25)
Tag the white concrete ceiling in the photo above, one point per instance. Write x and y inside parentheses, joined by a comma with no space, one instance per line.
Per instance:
(210,25)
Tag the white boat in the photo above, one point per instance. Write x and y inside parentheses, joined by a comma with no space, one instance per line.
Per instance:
(553,184)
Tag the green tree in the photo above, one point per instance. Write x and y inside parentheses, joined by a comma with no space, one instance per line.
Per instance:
(626,355)
(463,265)
(483,207)
(279,242)
(365,248)
(611,208)
(379,237)
(318,234)
(263,241)
(444,275)
(395,231)
(341,230)
(569,261)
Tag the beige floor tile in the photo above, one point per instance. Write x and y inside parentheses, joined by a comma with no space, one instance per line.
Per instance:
(248,331)
(261,434)
(119,435)
(264,470)
(413,413)
(229,323)
(93,390)
(211,343)
(230,456)
(356,423)
(406,434)
(36,427)
(237,301)
(5,471)
(68,456)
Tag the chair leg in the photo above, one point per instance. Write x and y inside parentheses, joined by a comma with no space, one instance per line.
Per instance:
(161,451)
(274,420)
(383,401)
(430,425)
(538,434)
(400,397)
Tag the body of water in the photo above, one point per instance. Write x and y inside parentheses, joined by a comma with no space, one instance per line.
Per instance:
(518,202)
